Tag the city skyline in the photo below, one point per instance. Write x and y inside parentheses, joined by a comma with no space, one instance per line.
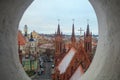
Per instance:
(42,16)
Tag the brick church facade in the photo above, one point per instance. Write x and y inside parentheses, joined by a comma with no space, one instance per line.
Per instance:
(75,56)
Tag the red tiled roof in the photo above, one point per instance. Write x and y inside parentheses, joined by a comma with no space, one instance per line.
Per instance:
(77,74)
(63,65)
(94,44)
(21,39)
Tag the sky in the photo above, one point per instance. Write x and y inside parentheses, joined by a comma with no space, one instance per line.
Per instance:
(42,16)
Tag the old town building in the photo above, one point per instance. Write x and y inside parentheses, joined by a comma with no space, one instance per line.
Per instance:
(21,45)
(27,48)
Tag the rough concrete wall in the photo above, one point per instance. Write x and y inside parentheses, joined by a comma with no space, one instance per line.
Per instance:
(11,12)
(106,63)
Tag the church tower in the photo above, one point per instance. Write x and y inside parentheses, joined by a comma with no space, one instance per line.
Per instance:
(73,39)
(58,41)
(88,40)
(25,30)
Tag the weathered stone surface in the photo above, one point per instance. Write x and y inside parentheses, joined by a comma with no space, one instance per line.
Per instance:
(106,63)
(11,12)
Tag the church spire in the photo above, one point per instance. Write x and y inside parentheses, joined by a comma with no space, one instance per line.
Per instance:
(73,33)
(88,40)
(88,30)
(73,40)
(58,30)
(58,40)
(31,37)
(25,30)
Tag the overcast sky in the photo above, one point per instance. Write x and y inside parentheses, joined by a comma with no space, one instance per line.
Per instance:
(42,16)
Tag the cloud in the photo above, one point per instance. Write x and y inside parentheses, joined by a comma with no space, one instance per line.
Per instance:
(42,15)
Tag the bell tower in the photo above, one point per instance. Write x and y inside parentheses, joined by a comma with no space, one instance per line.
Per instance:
(25,30)
(58,40)
(88,40)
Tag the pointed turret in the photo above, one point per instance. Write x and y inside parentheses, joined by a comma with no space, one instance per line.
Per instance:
(58,30)
(88,41)
(73,32)
(58,40)
(73,39)
(88,30)
(31,37)
(25,30)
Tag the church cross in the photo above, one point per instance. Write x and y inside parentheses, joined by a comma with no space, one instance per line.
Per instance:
(80,31)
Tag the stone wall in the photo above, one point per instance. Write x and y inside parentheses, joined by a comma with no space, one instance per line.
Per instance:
(11,12)
(106,62)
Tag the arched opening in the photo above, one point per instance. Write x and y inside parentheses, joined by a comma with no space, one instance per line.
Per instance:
(105,65)
(45,22)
